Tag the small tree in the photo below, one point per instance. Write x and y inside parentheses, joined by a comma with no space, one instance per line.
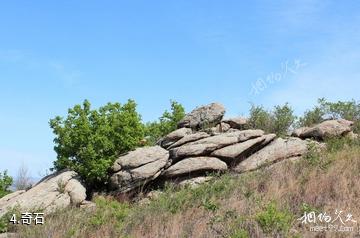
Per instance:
(88,141)
(5,183)
(277,121)
(282,119)
(22,180)
(260,119)
(166,124)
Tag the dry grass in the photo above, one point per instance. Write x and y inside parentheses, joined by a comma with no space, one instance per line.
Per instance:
(264,203)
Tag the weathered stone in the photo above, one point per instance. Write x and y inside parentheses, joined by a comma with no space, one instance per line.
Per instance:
(55,191)
(237,122)
(174,136)
(189,138)
(231,153)
(195,164)
(207,145)
(138,167)
(326,129)
(276,151)
(203,116)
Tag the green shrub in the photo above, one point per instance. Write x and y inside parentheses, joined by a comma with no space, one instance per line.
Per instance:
(5,183)
(277,121)
(88,141)
(275,221)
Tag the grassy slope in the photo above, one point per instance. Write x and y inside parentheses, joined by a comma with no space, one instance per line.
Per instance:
(266,202)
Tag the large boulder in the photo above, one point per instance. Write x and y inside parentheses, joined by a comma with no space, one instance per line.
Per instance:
(277,150)
(203,116)
(174,136)
(207,145)
(237,122)
(233,153)
(193,165)
(58,190)
(326,129)
(138,167)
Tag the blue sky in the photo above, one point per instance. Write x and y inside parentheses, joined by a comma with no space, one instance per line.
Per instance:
(56,54)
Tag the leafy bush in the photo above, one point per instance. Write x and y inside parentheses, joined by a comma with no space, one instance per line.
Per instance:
(278,121)
(5,224)
(166,124)
(5,183)
(273,220)
(88,141)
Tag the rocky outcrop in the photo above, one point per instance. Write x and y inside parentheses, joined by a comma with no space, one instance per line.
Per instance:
(138,167)
(326,129)
(194,165)
(203,116)
(207,145)
(277,150)
(55,191)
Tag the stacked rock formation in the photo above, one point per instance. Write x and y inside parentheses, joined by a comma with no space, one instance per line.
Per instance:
(206,143)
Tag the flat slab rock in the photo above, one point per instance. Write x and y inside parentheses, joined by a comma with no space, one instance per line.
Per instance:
(203,116)
(326,129)
(195,164)
(207,145)
(232,153)
(55,191)
(189,138)
(138,167)
(237,122)
(277,150)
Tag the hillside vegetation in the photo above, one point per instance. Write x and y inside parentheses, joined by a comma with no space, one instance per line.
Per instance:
(264,203)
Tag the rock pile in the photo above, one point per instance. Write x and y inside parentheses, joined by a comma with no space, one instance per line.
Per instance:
(206,143)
